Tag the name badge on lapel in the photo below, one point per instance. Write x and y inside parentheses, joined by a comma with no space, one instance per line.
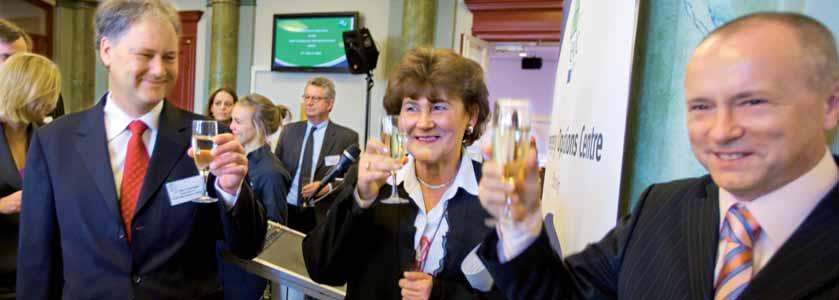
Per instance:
(331,160)
(185,190)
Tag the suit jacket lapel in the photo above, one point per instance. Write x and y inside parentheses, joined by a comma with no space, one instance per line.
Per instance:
(298,133)
(171,145)
(702,233)
(807,261)
(325,147)
(92,145)
(9,175)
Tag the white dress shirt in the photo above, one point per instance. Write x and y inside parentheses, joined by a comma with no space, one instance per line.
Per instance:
(780,212)
(426,222)
(118,135)
(320,132)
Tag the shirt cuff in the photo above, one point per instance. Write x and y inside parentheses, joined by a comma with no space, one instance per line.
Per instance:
(514,238)
(226,198)
(361,202)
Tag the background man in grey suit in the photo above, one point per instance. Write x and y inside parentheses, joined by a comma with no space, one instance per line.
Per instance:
(762,93)
(309,149)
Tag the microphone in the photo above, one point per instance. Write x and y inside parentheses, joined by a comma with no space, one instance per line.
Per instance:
(349,156)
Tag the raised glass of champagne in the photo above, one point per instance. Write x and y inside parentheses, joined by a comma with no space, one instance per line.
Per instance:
(394,140)
(510,141)
(203,132)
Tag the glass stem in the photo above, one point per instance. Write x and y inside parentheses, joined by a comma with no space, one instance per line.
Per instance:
(393,194)
(205,174)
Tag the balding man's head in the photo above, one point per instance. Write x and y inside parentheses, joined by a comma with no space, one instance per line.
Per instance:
(762,93)
(815,44)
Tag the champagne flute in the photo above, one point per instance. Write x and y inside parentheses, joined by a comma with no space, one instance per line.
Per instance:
(394,140)
(203,132)
(510,141)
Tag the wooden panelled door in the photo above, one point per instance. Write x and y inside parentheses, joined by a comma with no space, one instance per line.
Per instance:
(183,95)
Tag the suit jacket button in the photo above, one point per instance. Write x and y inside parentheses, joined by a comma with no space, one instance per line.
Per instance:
(121,235)
(136,279)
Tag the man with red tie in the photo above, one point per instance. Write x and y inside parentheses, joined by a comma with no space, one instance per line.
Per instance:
(762,95)
(107,210)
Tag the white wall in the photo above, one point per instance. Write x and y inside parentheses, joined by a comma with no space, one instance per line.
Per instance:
(382,17)
(462,24)
(286,87)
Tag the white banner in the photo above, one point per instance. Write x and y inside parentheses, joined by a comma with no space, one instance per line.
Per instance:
(582,180)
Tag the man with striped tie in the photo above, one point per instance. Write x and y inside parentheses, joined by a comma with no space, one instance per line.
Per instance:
(762,95)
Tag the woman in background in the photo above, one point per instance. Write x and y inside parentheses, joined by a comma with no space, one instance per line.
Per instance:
(221,104)
(253,117)
(413,250)
(274,137)
(29,87)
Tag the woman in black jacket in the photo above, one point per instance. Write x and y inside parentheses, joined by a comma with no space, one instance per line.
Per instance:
(413,249)
(29,86)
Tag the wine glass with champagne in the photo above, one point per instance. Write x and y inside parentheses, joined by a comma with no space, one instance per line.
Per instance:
(510,141)
(203,132)
(394,139)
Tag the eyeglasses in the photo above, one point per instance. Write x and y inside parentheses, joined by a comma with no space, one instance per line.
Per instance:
(314,98)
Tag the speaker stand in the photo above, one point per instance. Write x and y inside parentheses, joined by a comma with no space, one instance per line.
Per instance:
(367,108)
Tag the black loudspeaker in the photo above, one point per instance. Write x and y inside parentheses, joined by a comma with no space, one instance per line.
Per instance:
(361,51)
(528,63)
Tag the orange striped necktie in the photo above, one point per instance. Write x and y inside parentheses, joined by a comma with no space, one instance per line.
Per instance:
(740,231)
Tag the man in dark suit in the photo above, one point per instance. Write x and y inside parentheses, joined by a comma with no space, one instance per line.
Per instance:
(762,94)
(107,205)
(308,150)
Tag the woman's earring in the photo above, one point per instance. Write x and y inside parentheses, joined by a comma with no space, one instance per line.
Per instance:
(470,130)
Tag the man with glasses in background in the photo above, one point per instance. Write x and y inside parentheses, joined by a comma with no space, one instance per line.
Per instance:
(309,149)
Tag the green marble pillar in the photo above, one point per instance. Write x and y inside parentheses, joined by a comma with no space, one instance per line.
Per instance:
(75,53)
(418,19)
(224,43)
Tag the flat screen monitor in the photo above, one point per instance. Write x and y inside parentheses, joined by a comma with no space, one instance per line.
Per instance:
(311,42)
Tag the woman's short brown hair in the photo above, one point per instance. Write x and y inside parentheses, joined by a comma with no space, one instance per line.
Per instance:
(440,74)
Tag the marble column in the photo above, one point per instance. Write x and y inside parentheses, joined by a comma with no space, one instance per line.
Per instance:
(418,18)
(224,43)
(74,52)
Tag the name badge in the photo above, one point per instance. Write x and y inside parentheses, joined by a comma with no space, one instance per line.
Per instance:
(331,160)
(185,190)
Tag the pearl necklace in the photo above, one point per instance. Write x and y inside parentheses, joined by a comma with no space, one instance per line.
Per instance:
(436,186)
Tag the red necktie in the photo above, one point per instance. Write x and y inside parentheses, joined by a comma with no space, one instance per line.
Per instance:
(136,163)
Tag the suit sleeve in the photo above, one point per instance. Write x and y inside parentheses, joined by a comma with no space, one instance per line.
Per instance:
(40,267)
(245,224)
(351,175)
(273,190)
(540,273)
(329,249)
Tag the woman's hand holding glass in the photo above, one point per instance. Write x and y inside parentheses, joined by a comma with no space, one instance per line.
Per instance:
(374,169)
(495,189)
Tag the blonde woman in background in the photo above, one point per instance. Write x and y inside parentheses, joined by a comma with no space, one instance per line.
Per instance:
(29,87)
(253,117)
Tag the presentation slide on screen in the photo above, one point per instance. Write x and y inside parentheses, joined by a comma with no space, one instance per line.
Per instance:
(310,42)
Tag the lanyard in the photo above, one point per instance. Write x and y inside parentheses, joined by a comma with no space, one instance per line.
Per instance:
(425,245)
